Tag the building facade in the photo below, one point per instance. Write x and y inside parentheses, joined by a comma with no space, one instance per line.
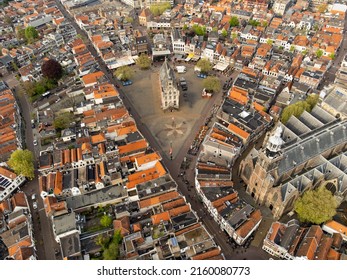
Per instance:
(169,92)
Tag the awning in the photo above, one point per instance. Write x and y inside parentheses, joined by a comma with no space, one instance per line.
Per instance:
(195,58)
(160,53)
(121,62)
(221,66)
(189,57)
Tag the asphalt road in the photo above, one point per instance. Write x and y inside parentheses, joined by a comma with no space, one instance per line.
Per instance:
(43,234)
(330,75)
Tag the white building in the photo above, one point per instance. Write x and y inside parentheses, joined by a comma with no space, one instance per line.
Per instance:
(178,44)
(281,6)
(169,92)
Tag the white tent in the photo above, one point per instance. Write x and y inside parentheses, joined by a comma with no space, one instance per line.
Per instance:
(121,62)
(221,66)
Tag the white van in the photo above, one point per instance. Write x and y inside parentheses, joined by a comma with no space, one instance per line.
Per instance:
(181,69)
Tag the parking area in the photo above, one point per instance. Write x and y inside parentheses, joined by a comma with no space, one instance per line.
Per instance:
(170,129)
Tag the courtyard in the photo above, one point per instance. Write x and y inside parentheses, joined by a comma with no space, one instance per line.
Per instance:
(170,129)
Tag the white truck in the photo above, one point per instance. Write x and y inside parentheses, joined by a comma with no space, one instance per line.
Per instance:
(181,69)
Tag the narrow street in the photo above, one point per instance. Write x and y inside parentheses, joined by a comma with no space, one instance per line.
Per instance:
(330,75)
(43,233)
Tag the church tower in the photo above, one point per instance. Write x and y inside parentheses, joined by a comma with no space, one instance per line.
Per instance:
(262,178)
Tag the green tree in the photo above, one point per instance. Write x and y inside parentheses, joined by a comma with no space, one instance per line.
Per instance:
(254,22)
(110,247)
(312,100)
(20,33)
(14,66)
(102,241)
(63,121)
(299,107)
(204,65)
(159,8)
(129,19)
(304,52)
(124,73)
(295,109)
(316,206)
(31,34)
(144,62)
(185,27)
(117,237)
(332,56)
(199,30)
(111,253)
(269,42)
(316,27)
(52,69)
(212,84)
(39,88)
(264,23)
(234,35)
(234,21)
(8,20)
(106,221)
(319,53)
(292,48)
(224,33)
(22,162)
(29,88)
(322,8)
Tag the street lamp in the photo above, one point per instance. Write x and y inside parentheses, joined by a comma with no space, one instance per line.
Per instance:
(170,151)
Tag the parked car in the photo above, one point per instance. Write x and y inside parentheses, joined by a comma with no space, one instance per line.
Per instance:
(183,84)
(35,142)
(35,205)
(127,83)
(33,197)
(202,76)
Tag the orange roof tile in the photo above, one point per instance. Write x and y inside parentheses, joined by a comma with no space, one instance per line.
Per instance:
(19,200)
(179,210)
(158,199)
(175,203)
(238,131)
(333,255)
(22,243)
(310,242)
(137,227)
(98,138)
(258,107)
(92,78)
(236,95)
(4,206)
(158,218)
(122,224)
(58,185)
(133,147)
(7,173)
(230,197)
(337,227)
(145,175)
(187,229)
(207,255)
(147,158)
(249,225)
